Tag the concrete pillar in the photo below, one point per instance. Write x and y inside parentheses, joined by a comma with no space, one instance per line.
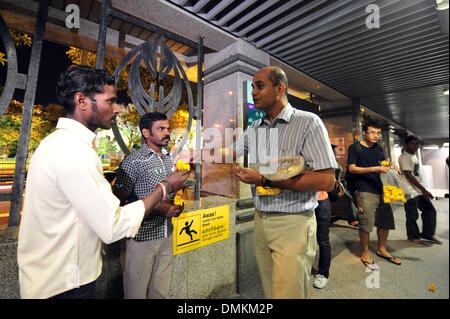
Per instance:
(387,141)
(356,119)
(225,74)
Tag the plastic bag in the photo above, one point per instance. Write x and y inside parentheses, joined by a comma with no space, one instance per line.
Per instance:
(396,188)
(288,167)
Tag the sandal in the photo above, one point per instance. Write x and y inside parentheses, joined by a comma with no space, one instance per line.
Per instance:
(390,259)
(370,265)
(420,242)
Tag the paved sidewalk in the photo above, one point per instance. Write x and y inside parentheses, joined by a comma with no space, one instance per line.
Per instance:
(421,266)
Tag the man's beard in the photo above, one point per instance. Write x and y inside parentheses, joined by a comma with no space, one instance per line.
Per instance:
(94,121)
(166,143)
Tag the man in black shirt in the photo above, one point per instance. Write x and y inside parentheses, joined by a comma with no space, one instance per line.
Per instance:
(364,159)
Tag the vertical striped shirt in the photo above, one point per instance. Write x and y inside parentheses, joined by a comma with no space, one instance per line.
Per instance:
(299,133)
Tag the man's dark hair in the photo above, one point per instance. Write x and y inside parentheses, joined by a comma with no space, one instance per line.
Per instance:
(148,119)
(365,127)
(83,79)
(411,138)
(278,76)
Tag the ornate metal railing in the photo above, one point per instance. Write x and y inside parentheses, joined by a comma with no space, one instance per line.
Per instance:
(154,55)
(28,82)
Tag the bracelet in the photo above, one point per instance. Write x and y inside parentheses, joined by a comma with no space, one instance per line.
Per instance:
(171,185)
(163,189)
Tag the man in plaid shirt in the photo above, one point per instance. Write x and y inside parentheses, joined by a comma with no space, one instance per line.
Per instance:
(149,255)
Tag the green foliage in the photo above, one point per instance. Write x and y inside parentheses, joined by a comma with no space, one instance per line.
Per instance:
(43,122)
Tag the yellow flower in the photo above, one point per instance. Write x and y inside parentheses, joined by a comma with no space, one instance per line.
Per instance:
(385,163)
(182,165)
(178,200)
(392,194)
(267,190)
(2,58)
(432,288)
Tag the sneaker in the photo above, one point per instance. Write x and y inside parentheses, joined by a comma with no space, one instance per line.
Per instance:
(354,223)
(320,281)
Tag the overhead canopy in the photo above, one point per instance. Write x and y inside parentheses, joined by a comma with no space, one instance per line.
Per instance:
(399,70)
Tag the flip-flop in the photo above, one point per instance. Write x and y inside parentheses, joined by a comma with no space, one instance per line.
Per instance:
(369,265)
(420,242)
(390,259)
(433,240)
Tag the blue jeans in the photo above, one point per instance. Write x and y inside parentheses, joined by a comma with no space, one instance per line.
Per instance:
(323,217)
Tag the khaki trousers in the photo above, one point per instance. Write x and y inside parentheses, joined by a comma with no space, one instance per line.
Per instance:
(285,248)
(147,268)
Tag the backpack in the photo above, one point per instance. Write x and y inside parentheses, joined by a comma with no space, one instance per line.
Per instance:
(350,183)
(350,180)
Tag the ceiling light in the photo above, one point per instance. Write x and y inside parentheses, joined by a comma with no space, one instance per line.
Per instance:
(431,147)
(442,4)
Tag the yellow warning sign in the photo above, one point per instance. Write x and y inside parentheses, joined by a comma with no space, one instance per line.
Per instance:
(199,228)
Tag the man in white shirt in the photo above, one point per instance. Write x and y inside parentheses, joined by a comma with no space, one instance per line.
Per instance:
(409,164)
(69,208)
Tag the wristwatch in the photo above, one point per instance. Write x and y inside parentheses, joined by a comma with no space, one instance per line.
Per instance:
(266,183)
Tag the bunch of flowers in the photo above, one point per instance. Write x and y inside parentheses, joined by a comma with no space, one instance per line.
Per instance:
(180,165)
(260,190)
(393,194)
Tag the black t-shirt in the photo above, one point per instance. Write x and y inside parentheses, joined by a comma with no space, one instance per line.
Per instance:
(364,156)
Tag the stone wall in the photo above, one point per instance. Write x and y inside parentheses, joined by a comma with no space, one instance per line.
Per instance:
(219,270)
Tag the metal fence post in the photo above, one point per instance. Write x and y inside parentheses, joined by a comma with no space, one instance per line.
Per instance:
(27,113)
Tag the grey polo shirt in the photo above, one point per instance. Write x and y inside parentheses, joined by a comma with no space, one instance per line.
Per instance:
(299,133)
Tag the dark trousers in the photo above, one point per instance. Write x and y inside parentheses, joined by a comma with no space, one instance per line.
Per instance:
(428,215)
(323,217)
(83,292)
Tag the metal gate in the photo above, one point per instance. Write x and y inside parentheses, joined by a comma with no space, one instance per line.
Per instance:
(154,54)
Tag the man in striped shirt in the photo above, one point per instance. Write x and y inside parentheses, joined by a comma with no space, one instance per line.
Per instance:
(285,226)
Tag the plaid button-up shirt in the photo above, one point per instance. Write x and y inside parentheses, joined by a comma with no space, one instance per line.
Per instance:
(139,173)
